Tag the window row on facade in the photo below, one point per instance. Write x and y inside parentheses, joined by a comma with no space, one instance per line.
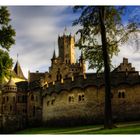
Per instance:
(11,88)
(20,99)
(121,94)
(51,102)
(72,98)
(6,99)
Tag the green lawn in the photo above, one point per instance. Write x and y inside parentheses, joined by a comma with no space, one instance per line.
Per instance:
(124,128)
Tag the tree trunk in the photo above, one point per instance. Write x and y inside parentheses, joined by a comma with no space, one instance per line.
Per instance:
(108,123)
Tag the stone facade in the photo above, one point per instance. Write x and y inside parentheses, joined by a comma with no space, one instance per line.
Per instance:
(66,95)
(63,66)
(13,115)
(82,100)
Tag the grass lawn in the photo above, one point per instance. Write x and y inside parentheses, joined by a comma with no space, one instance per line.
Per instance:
(123,128)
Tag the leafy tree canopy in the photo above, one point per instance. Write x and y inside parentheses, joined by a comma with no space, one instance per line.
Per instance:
(7,34)
(5,64)
(117,32)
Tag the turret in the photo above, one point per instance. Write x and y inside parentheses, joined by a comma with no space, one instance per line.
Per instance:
(53,58)
(9,97)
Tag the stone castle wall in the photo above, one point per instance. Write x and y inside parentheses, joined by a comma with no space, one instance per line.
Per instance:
(86,104)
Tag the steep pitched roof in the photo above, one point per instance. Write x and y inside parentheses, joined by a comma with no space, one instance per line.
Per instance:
(18,71)
(11,82)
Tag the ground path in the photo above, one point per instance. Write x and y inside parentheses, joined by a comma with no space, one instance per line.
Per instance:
(98,128)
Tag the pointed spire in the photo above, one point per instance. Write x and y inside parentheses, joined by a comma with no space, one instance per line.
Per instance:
(18,70)
(54,55)
(65,30)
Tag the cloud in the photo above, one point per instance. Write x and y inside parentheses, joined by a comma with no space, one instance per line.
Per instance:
(37,29)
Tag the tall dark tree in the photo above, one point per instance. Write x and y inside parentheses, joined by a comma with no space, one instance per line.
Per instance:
(101,32)
(7,34)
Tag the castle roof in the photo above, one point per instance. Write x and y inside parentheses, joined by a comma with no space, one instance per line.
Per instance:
(11,82)
(36,76)
(18,71)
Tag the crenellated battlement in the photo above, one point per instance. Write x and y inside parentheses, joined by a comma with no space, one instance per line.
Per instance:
(91,79)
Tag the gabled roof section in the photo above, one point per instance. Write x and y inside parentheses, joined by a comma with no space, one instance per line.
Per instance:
(18,71)
(125,66)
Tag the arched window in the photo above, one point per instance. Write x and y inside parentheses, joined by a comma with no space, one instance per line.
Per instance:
(48,103)
(83,97)
(123,95)
(32,97)
(69,98)
(53,102)
(119,95)
(79,98)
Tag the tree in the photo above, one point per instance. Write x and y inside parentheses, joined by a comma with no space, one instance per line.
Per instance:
(101,32)
(7,34)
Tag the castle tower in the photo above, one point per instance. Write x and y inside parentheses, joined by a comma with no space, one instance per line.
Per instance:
(66,48)
(9,97)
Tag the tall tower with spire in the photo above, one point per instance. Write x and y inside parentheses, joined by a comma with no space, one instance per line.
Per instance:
(64,65)
(66,48)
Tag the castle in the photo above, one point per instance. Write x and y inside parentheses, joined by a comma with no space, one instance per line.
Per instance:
(66,94)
